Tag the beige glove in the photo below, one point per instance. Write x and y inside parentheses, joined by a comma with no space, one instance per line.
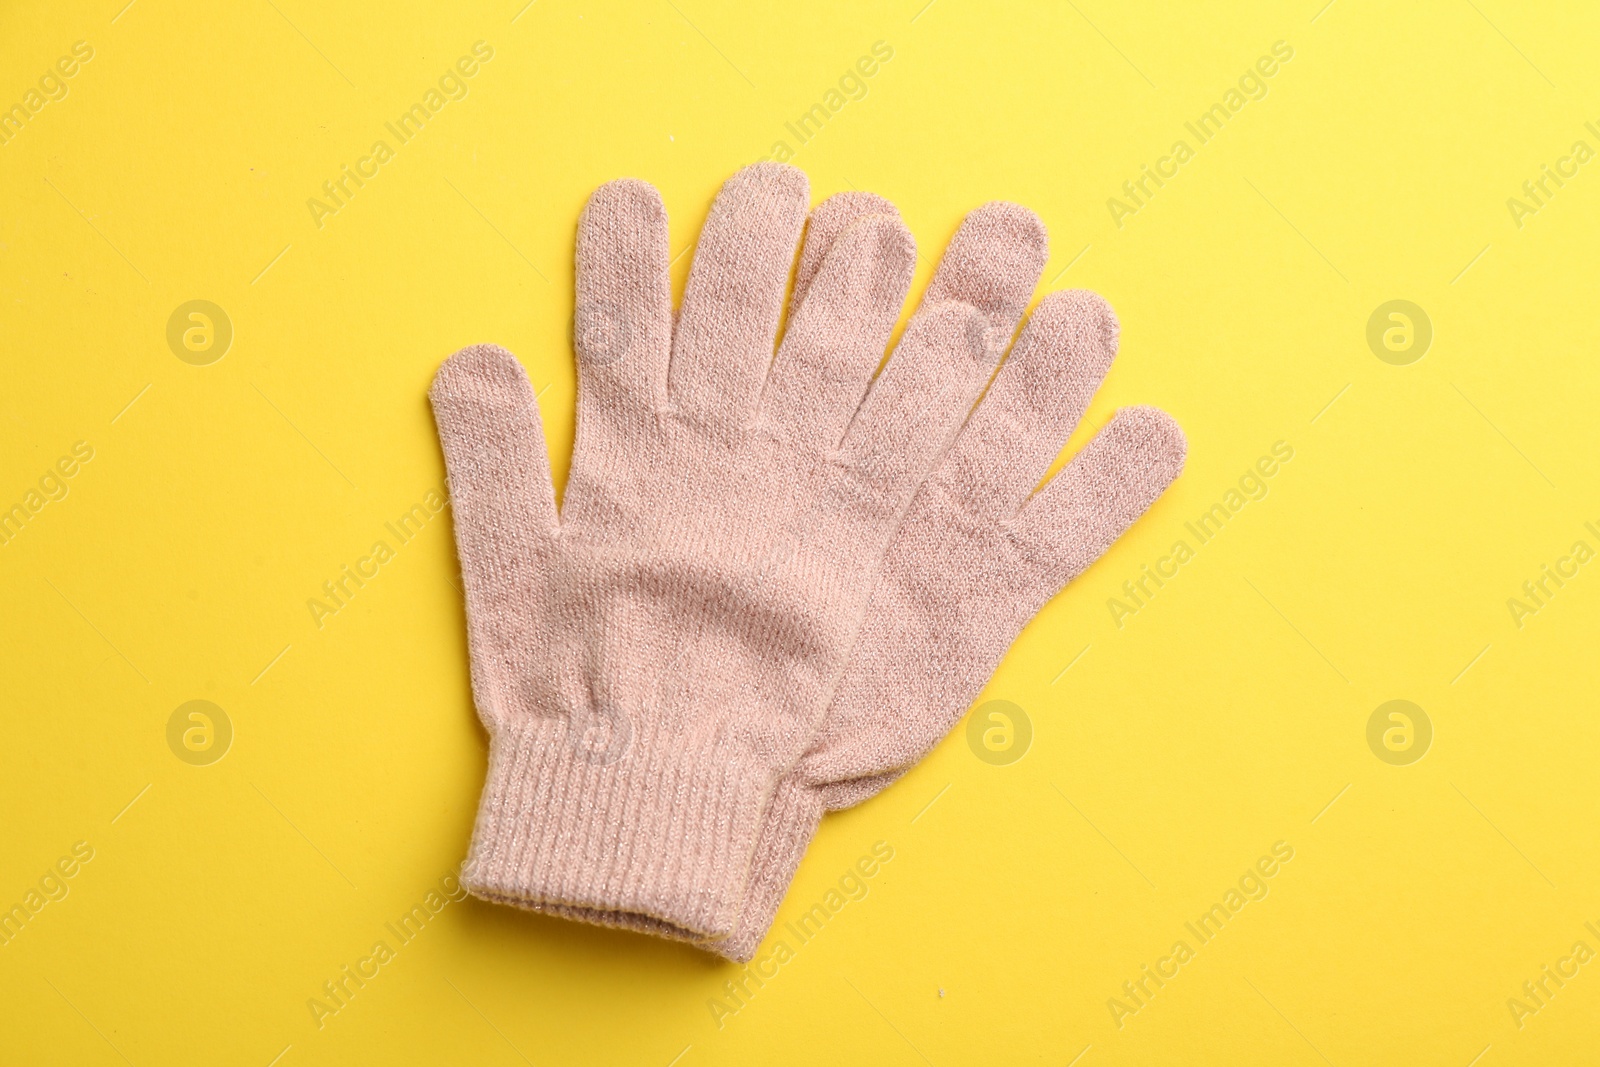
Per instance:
(652,659)
(979,553)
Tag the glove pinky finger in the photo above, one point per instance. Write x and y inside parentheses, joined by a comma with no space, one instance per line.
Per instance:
(1091,501)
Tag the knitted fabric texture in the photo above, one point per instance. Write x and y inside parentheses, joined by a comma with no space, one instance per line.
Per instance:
(651,660)
(978,555)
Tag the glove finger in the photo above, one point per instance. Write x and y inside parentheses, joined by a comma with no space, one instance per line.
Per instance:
(1037,397)
(723,345)
(1090,502)
(622,325)
(993,263)
(828,221)
(955,592)
(917,404)
(967,317)
(838,336)
(503,509)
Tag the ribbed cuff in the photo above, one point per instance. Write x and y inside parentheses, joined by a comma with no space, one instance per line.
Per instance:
(663,829)
(614,920)
(788,827)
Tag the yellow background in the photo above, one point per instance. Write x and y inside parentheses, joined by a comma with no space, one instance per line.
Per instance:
(1228,714)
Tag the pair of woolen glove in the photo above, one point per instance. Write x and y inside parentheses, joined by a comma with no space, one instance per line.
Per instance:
(775,580)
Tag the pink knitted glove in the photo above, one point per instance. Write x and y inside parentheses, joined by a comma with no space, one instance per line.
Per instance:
(650,661)
(977,558)
(978,555)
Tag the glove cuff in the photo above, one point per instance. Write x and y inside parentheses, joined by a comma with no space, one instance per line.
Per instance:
(662,828)
(787,827)
(790,823)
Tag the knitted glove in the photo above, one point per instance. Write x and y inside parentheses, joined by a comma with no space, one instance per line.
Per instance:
(649,661)
(979,554)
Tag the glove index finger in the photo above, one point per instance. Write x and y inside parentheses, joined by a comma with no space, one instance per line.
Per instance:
(622,324)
